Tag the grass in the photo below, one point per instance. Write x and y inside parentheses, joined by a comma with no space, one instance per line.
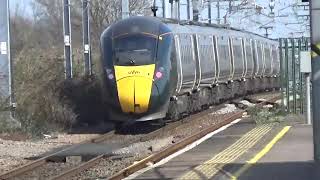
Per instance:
(275,114)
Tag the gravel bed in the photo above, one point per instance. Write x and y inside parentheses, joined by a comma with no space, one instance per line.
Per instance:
(14,153)
(46,171)
(8,163)
(107,167)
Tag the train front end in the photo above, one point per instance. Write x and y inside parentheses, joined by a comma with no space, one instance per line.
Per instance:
(137,71)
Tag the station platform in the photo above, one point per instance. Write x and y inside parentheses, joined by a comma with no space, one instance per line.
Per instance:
(245,151)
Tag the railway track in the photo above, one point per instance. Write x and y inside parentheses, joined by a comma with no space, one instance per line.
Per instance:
(62,170)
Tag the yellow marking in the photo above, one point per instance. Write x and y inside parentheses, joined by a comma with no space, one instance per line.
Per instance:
(314,54)
(211,167)
(263,152)
(134,84)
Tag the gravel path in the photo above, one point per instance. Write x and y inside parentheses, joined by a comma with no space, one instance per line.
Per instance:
(14,153)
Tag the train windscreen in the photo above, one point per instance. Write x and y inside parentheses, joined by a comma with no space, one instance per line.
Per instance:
(134,49)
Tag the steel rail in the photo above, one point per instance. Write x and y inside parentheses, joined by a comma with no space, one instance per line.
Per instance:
(39,162)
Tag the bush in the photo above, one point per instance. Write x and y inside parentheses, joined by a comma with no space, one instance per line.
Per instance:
(39,77)
(266,115)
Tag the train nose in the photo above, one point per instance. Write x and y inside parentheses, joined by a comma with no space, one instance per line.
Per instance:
(134,85)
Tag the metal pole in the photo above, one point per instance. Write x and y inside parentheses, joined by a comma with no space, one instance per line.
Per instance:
(174,10)
(315,46)
(287,75)
(188,9)
(293,46)
(281,72)
(178,9)
(209,12)
(6,81)
(308,96)
(171,7)
(86,38)
(300,78)
(67,39)
(125,9)
(164,8)
(218,11)
(195,7)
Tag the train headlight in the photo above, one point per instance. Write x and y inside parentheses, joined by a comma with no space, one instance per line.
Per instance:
(110,76)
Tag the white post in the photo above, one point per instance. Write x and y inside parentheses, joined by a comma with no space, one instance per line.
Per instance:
(305,68)
(125,9)
(308,97)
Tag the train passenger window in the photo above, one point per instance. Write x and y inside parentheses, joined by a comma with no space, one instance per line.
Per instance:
(134,49)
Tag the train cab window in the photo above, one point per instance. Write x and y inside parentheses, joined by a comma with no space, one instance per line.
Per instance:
(134,49)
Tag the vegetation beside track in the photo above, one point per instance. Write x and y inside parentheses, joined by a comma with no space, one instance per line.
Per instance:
(268,114)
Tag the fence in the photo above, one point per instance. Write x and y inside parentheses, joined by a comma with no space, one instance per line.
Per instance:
(292,80)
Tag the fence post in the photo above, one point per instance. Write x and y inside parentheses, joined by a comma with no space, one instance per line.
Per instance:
(287,76)
(294,85)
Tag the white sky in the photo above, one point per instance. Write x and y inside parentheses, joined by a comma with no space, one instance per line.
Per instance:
(286,22)
(288,25)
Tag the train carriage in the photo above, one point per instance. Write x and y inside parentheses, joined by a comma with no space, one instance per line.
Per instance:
(158,68)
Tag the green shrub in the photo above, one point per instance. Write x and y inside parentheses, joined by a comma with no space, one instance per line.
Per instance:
(266,115)
(39,77)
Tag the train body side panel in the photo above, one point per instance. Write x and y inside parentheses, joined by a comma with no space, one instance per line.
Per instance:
(224,59)
(238,58)
(249,57)
(206,57)
(268,60)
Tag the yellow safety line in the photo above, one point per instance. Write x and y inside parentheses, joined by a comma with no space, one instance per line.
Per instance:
(211,167)
(263,152)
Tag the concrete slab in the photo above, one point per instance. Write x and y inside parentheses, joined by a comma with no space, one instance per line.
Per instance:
(194,157)
(290,158)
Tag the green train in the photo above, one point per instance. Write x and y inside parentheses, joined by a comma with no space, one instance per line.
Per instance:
(155,68)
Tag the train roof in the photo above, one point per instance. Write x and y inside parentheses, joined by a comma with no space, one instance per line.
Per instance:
(158,25)
(216,26)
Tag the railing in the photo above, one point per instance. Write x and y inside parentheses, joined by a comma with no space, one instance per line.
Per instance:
(292,80)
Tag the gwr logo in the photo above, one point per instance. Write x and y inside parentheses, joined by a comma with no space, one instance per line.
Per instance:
(133,72)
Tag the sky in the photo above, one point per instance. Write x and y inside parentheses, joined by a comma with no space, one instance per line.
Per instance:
(286,22)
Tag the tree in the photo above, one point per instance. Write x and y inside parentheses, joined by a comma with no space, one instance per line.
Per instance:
(105,12)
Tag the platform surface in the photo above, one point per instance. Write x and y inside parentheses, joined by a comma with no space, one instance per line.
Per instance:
(226,155)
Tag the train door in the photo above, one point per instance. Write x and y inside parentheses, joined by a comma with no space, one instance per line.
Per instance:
(276,60)
(268,60)
(238,60)
(225,63)
(248,50)
(206,58)
(259,64)
(187,64)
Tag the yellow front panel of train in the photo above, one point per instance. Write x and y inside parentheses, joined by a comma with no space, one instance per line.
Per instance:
(134,85)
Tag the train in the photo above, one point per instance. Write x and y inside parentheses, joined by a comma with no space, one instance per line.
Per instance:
(154,68)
